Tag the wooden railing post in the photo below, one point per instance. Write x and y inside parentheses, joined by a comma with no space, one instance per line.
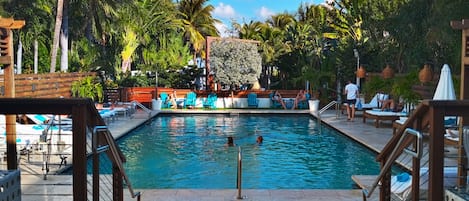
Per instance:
(79,126)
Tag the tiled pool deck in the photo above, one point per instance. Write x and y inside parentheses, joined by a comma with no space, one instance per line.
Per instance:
(59,187)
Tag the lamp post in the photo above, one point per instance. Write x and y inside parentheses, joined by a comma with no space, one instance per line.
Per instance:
(355,53)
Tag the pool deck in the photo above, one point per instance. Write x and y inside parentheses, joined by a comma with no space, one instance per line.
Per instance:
(58,187)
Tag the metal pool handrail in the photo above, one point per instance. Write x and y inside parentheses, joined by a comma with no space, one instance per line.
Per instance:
(415,153)
(238,179)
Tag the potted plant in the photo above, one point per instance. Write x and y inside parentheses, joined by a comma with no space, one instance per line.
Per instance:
(89,87)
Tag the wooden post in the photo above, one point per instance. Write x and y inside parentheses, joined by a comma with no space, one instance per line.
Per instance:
(464,27)
(6,59)
(464,93)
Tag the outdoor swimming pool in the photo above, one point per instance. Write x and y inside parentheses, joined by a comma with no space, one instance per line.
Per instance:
(189,152)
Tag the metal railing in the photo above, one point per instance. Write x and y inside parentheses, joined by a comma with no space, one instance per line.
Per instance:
(417,153)
(329,105)
(142,106)
(239,176)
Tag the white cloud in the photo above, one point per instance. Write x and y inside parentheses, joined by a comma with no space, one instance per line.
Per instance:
(265,13)
(224,30)
(224,11)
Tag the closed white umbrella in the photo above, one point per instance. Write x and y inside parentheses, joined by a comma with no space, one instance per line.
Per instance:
(444,89)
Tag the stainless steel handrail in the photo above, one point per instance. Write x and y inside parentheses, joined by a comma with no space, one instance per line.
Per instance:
(327,106)
(415,153)
(238,179)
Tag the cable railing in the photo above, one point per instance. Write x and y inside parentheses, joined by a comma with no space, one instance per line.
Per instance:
(102,142)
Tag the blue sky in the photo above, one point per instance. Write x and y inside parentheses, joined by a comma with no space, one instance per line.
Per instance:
(257,10)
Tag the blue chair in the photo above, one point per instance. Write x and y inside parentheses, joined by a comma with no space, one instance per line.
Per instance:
(304,104)
(211,101)
(252,100)
(165,103)
(190,100)
(274,104)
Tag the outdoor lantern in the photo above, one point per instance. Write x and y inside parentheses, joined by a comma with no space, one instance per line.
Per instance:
(387,72)
(426,74)
(361,73)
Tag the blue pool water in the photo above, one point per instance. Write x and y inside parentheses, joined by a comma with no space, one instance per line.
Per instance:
(189,152)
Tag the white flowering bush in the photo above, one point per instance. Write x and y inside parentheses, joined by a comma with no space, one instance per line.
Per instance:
(235,62)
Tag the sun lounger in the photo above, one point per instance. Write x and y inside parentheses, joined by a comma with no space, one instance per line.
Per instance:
(403,189)
(379,116)
(373,104)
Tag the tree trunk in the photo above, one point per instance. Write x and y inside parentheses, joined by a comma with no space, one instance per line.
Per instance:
(19,57)
(36,47)
(55,43)
(64,39)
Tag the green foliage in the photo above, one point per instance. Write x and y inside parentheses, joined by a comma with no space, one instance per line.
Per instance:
(402,87)
(235,62)
(172,54)
(89,87)
(134,81)
(377,84)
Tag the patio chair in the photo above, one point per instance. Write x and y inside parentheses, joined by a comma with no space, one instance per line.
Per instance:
(165,103)
(252,100)
(190,100)
(211,101)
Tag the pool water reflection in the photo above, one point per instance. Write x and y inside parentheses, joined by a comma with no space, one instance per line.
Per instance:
(189,151)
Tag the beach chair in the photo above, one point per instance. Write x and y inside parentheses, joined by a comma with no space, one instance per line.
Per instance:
(165,103)
(190,100)
(252,100)
(401,189)
(274,104)
(211,101)
(304,104)
(379,116)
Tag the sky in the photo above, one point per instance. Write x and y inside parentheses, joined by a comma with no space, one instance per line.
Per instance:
(257,10)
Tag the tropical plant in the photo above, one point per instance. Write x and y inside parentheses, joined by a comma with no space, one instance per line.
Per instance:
(235,62)
(402,87)
(198,23)
(88,87)
(377,84)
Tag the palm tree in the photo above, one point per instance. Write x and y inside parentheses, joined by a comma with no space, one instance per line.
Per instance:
(158,22)
(96,18)
(281,21)
(55,43)
(198,23)
(252,30)
(35,34)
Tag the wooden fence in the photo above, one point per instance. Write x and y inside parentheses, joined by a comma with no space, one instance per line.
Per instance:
(51,85)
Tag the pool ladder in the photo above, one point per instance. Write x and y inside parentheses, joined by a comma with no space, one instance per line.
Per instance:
(332,103)
(238,179)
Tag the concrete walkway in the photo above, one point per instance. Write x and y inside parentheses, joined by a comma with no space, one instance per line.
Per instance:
(58,187)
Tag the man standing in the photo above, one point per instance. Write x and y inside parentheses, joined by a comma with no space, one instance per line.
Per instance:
(351,90)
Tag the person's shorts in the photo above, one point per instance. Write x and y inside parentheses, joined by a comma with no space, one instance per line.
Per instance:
(351,101)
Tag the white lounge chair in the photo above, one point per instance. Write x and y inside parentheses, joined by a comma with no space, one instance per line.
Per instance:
(403,189)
